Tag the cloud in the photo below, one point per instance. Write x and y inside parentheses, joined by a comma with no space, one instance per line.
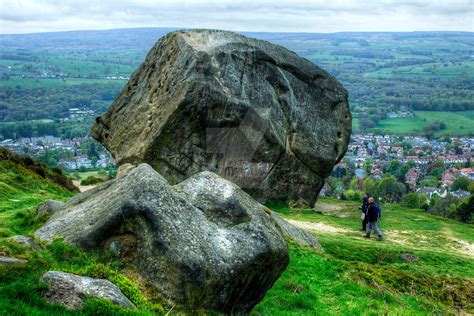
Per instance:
(20,16)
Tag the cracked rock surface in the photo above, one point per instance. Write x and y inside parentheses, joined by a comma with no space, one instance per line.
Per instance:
(204,242)
(250,111)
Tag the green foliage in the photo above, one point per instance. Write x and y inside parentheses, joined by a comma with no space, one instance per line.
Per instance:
(414,200)
(453,207)
(370,187)
(389,189)
(353,195)
(430,182)
(470,187)
(460,183)
(92,180)
(465,210)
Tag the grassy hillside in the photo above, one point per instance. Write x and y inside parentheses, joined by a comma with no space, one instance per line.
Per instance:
(360,276)
(21,190)
(458,123)
(353,276)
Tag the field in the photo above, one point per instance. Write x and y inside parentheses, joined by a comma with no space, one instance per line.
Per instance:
(353,275)
(42,76)
(457,123)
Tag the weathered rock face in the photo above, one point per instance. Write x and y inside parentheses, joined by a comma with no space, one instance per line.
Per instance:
(204,242)
(71,290)
(251,111)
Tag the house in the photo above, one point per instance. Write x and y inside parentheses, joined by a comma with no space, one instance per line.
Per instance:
(411,177)
(376,174)
(461,194)
(448,177)
(467,172)
(430,192)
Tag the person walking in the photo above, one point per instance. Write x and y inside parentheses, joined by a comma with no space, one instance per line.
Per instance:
(373,216)
(363,209)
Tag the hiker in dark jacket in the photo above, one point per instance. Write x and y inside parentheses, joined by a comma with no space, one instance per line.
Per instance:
(373,215)
(363,209)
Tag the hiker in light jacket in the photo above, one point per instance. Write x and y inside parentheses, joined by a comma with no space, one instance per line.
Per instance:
(373,215)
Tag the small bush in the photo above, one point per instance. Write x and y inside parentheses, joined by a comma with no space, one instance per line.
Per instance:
(91,180)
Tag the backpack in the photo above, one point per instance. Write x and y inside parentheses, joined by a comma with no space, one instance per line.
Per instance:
(379,211)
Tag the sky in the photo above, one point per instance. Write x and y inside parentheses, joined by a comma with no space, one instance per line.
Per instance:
(32,16)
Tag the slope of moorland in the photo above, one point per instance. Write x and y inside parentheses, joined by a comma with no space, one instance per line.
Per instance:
(356,275)
(353,276)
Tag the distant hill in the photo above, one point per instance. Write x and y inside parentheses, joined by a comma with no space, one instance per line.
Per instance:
(43,75)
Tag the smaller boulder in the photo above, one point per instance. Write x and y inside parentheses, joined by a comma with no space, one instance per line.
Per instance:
(25,240)
(6,261)
(70,290)
(49,207)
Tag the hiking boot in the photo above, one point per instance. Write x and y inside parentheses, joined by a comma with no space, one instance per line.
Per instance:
(367,236)
(379,238)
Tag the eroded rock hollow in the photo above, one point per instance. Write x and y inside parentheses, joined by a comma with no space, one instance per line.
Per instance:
(253,112)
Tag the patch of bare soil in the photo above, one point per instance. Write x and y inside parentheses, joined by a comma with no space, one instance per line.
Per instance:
(83,188)
(331,209)
(319,227)
(463,246)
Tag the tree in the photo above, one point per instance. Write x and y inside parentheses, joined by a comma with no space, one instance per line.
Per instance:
(367,166)
(370,187)
(94,161)
(470,187)
(389,189)
(430,182)
(414,200)
(460,183)
(92,151)
(394,166)
(445,207)
(465,210)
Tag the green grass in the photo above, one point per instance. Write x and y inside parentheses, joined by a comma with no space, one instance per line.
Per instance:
(457,123)
(20,290)
(29,83)
(355,124)
(402,125)
(354,275)
(430,70)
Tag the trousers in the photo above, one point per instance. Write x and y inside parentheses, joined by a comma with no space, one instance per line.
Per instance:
(373,226)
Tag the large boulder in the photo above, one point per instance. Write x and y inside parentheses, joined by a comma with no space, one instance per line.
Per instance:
(253,112)
(204,242)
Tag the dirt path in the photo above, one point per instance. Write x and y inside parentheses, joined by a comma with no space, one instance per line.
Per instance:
(83,188)
(319,227)
(459,245)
